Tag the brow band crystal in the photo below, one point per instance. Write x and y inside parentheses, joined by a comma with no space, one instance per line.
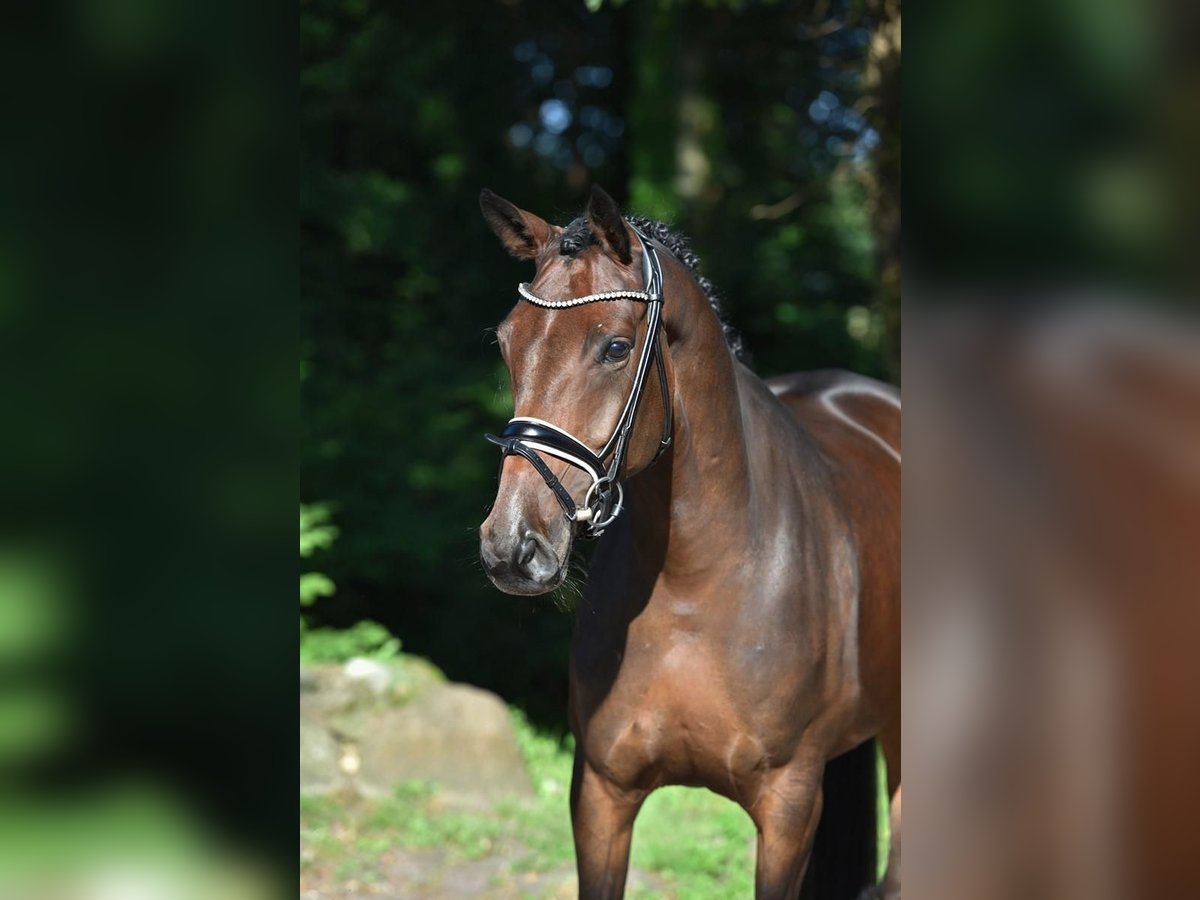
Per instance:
(523,290)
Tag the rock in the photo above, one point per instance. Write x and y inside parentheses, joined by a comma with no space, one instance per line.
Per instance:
(319,753)
(375,675)
(372,726)
(459,737)
(327,689)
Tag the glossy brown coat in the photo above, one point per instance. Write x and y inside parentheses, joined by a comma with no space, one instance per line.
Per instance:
(740,624)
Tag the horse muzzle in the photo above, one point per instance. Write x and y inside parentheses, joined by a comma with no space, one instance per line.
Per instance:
(520,560)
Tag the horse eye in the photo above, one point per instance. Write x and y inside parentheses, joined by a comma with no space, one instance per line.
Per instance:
(617,349)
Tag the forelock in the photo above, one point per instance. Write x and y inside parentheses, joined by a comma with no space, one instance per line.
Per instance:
(577,237)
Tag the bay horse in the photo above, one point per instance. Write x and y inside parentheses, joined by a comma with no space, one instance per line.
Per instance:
(740,626)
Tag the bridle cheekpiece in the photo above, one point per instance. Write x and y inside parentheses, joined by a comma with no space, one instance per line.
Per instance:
(529,438)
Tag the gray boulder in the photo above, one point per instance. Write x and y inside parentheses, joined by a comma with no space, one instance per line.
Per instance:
(369,727)
(319,754)
(455,735)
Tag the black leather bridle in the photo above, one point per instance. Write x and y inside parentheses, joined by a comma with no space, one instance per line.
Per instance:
(529,438)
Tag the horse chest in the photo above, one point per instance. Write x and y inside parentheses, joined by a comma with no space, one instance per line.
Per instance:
(668,719)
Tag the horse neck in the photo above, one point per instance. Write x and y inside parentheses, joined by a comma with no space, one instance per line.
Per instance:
(702,490)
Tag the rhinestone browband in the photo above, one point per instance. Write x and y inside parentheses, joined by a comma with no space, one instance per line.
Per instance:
(523,289)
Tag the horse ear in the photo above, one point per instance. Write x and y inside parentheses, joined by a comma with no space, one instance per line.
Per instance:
(522,233)
(607,224)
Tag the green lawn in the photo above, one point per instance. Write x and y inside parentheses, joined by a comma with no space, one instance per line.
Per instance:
(687,842)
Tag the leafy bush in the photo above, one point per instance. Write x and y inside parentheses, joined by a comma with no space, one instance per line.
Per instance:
(316,533)
(363,638)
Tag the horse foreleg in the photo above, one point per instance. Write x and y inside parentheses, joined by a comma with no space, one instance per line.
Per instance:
(785,813)
(602,820)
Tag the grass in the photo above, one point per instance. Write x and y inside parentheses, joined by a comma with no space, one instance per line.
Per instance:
(693,843)
(702,844)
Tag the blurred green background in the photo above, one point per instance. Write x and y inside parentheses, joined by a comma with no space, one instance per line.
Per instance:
(768,133)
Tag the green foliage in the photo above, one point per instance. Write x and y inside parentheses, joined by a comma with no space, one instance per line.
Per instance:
(363,638)
(883,809)
(316,533)
(314,585)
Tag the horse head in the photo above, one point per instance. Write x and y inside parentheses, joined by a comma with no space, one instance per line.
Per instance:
(574,347)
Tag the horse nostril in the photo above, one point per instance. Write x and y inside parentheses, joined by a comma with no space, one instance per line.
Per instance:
(521,563)
(526,552)
(491,562)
